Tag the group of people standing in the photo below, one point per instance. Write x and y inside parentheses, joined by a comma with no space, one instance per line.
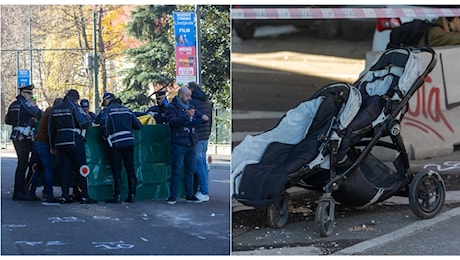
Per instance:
(59,133)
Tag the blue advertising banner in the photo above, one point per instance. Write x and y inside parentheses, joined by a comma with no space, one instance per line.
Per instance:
(184,28)
(185,46)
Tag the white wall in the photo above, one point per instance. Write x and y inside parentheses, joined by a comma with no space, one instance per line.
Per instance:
(431,127)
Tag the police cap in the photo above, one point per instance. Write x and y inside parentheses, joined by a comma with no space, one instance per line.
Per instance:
(84,103)
(27,88)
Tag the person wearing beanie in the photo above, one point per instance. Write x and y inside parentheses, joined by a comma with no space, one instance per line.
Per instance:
(67,128)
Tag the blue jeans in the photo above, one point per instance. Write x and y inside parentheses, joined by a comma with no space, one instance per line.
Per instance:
(183,156)
(202,166)
(42,149)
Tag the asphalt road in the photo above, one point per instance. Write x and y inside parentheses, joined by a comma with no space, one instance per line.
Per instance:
(283,67)
(149,227)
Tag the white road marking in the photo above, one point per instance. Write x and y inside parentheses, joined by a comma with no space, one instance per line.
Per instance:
(398,234)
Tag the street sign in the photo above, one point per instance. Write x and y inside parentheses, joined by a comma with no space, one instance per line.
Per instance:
(23,77)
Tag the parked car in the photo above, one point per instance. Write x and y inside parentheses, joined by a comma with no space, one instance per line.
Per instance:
(383,29)
(326,28)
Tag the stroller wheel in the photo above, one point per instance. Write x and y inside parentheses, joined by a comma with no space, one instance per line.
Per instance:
(278,212)
(427,194)
(325,217)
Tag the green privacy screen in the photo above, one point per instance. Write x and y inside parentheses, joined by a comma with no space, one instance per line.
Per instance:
(152,161)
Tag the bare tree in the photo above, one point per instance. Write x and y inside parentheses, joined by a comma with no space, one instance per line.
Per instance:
(15,38)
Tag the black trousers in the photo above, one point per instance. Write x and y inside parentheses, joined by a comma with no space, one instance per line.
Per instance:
(117,155)
(23,151)
(71,159)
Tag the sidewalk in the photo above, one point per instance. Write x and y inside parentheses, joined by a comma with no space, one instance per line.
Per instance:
(219,161)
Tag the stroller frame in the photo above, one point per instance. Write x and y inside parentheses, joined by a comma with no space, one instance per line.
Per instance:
(419,196)
(421,188)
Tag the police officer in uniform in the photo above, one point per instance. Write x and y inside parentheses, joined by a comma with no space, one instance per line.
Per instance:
(84,103)
(117,123)
(159,110)
(67,129)
(20,115)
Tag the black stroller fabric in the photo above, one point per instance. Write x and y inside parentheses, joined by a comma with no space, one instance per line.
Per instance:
(267,178)
(370,109)
(372,105)
(371,182)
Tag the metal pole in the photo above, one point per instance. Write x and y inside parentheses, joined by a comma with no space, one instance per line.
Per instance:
(95,66)
(17,71)
(30,43)
(198,44)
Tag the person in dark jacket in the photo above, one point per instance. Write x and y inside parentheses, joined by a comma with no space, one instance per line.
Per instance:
(20,116)
(41,148)
(67,133)
(183,118)
(446,33)
(84,103)
(159,110)
(201,102)
(117,122)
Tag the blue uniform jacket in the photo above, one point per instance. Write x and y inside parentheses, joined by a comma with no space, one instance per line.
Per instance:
(19,115)
(67,124)
(116,122)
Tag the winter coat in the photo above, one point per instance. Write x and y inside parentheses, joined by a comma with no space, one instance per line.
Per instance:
(20,114)
(68,124)
(183,128)
(201,102)
(117,123)
(438,37)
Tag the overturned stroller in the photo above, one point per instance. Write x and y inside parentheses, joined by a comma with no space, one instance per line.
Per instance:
(326,143)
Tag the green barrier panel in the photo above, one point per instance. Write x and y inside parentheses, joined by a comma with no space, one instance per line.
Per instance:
(152,161)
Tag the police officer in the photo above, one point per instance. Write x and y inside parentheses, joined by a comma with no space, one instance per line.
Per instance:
(117,123)
(159,110)
(67,128)
(84,103)
(20,115)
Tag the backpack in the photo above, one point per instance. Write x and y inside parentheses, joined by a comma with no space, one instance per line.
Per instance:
(410,33)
